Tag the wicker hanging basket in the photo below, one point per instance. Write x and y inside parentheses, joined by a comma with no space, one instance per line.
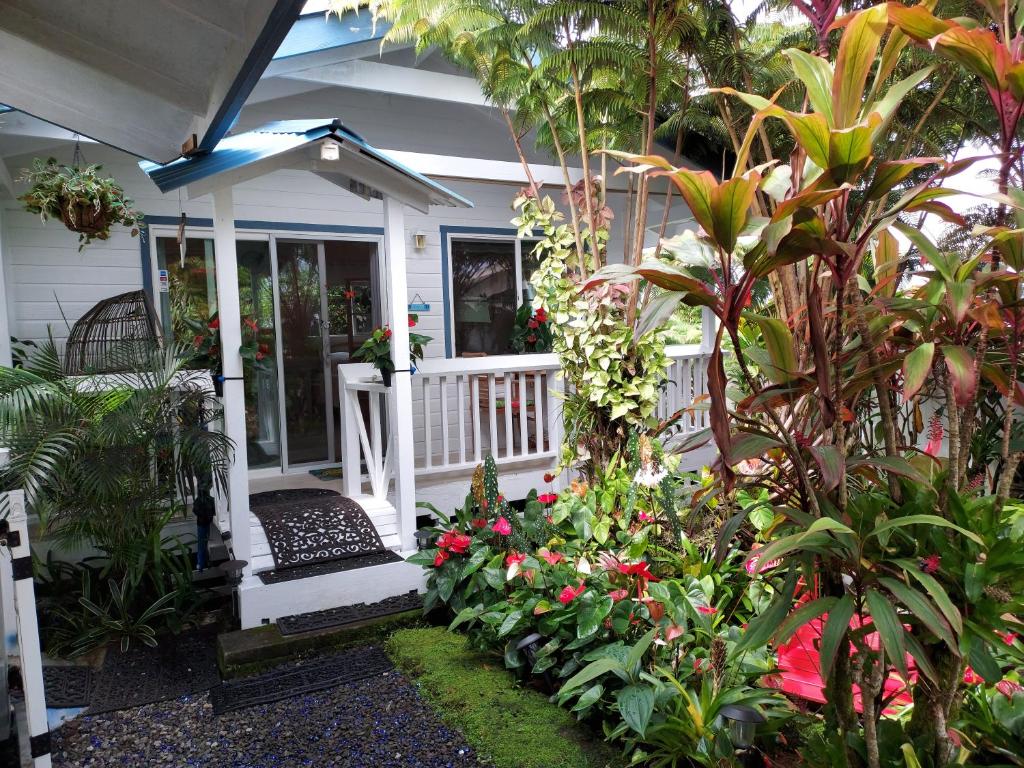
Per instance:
(85,218)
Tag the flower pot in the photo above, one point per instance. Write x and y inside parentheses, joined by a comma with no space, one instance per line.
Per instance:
(85,218)
(218,383)
(385,376)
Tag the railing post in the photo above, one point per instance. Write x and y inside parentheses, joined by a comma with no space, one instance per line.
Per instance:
(28,631)
(556,427)
(351,467)
(709,329)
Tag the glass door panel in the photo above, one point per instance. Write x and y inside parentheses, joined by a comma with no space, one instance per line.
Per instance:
(302,351)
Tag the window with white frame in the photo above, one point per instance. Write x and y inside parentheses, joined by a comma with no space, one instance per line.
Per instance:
(490,280)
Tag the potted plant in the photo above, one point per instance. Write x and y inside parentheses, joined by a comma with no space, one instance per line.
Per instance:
(376,350)
(206,349)
(82,197)
(531,332)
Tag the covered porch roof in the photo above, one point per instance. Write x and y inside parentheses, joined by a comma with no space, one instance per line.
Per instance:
(324,147)
(145,77)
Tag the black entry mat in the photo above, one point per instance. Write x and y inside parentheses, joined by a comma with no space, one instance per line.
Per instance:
(67,686)
(179,665)
(303,677)
(288,495)
(315,530)
(331,566)
(349,614)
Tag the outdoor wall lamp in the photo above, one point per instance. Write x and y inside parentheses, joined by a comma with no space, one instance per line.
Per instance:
(420,240)
(330,150)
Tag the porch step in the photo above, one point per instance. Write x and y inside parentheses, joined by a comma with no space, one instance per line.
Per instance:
(380,511)
(349,615)
(334,566)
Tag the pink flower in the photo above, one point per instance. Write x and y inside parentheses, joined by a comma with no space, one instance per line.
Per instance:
(971,677)
(569,594)
(707,610)
(552,558)
(1009,687)
(547,498)
(618,594)
(502,526)
(935,433)
(513,558)
(753,567)
(1009,638)
(645,518)
(931,563)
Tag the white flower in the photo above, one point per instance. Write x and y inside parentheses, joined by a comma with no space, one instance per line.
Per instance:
(649,477)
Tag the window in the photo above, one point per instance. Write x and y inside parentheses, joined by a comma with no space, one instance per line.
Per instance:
(490,281)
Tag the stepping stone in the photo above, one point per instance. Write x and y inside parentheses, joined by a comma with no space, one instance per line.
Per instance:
(303,677)
(349,614)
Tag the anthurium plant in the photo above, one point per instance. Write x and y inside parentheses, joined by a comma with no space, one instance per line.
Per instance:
(87,201)
(205,351)
(531,332)
(376,350)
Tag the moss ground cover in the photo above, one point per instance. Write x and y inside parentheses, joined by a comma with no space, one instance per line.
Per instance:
(511,726)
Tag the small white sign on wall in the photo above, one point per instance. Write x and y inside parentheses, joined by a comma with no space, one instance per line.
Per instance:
(164,282)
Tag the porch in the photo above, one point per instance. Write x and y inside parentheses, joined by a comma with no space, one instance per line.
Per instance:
(463,409)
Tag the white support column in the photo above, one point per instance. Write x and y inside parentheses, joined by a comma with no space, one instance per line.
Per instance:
(400,398)
(709,329)
(229,313)
(28,632)
(5,318)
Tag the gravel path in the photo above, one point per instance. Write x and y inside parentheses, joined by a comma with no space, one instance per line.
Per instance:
(376,723)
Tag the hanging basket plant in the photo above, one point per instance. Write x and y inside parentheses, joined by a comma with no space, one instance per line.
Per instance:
(88,202)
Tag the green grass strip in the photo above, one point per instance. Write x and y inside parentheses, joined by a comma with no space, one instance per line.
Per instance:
(508,725)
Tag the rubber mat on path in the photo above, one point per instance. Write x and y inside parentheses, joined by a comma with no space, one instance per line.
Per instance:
(349,614)
(300,678)
(67,686)
(331,566)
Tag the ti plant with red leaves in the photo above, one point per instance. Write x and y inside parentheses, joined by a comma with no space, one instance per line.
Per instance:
(835,381)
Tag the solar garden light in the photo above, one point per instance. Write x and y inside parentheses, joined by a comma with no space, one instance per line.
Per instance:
(233,571)
(530,645)
(743,722)
(424,539)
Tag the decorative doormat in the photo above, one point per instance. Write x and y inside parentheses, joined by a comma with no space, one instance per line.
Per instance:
(349,614)
(178,666)
(315,530)
(288,495)
(330,566)
(302,677)
(67,686)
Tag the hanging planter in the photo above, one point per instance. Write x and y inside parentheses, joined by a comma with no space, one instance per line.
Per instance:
(376,350)
(85,200)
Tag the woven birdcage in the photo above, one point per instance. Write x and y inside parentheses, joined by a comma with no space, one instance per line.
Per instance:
(116,335)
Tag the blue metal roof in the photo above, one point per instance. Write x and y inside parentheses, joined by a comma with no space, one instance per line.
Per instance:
(274,139)
(319,32)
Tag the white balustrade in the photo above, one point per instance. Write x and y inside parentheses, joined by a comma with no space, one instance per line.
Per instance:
(685,391)
(363,445)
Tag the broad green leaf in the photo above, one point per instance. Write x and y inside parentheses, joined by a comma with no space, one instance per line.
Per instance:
(589,697)
(935,520)
(835,629)
(916,367)
(807,199)
(892,172)
(730,208)
(805,613)
(889,629)
(780,345)
(886,262)
(959,295)
(697,189)
(636,705)
(762,627)
(886,106)
(927,248)
(591,613)
(917,21)
(816,74)
(590,672)
(922,609)
(960,365)
(983,662)
(978,51)
(936,592)
(636,653)
(858,48)
(849,150)
(748,445)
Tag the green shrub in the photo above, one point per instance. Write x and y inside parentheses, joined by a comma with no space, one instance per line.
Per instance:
(508,725)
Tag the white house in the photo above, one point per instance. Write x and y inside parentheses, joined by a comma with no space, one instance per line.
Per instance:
(407,213)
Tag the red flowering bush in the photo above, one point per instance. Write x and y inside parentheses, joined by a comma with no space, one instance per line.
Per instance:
(531,332)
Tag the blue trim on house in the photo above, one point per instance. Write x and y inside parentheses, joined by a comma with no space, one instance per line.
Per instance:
(279,23)
(446,299)
(316,32)
(273,226)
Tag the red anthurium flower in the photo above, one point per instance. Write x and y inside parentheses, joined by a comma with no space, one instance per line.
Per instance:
(197,340)
(971,677)
(707,610)
(1009,638)
(502,526)
(931,563)
(251,323)
(1009,687)
(412,322)
(656,609)
(387,333)
(532,323)
(673,632)
(513,558)
(541,315)
(618,594)
(700,666)
(532,339)
(548,477)
(569,594)
(641,570)
(754,566)
(552,558)
(478,522)
(215,324)
(440,558)
(548,498)
(460,544)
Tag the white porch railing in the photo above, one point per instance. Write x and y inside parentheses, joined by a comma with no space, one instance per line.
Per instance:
(508,406)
